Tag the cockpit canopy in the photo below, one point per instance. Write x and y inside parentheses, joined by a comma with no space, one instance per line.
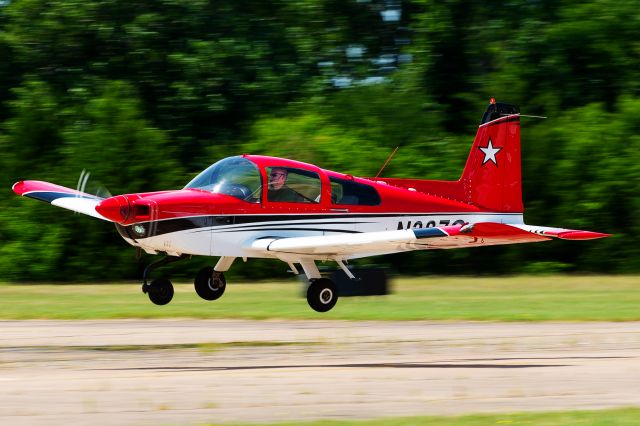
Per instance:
(234,176)
(288,182)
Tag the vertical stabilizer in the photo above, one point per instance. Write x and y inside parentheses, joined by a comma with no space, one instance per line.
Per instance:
(492,177)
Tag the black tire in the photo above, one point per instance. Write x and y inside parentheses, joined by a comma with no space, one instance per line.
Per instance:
(210,284)
(322,294)
(160,291)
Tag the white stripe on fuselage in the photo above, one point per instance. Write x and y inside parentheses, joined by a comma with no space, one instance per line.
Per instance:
(228,240)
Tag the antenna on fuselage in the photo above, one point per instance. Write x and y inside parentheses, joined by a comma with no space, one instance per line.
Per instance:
(387,162)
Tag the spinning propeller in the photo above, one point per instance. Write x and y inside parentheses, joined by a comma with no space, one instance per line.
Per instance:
(91,187)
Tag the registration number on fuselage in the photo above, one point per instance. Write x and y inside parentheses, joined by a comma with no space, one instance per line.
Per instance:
(429,223)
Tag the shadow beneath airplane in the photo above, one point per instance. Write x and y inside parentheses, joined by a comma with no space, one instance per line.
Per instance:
(364,365)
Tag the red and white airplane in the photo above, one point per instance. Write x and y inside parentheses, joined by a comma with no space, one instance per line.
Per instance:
(267,207)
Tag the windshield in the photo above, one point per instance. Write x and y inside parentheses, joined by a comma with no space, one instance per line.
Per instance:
(235,176)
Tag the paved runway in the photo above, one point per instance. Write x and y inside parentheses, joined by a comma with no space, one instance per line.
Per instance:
(154,372)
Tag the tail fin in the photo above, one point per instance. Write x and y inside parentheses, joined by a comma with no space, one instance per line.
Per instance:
(492,177)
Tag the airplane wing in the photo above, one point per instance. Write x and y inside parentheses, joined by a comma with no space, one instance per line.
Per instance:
(447,237)
(60,196)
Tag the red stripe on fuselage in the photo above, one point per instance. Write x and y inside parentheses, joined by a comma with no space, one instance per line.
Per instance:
(187,203)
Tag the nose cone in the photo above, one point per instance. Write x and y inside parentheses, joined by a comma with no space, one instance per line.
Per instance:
(115,208)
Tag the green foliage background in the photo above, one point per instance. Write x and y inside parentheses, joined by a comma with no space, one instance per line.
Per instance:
(145,94)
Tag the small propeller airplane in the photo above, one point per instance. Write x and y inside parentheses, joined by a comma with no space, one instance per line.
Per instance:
(253,206)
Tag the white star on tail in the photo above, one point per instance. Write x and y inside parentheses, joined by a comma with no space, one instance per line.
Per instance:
(490,153)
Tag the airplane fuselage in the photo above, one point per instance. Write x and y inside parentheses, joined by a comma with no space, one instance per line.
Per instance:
(225,235)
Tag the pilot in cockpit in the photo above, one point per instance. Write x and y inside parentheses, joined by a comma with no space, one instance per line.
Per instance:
(278,189)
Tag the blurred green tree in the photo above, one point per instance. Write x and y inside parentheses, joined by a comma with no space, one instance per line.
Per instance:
(145,94)
(103,132)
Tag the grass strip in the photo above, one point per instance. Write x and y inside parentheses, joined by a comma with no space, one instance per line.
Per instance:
(523,298)
(615,417)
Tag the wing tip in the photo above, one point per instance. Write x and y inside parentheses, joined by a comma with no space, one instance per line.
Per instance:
(18,187)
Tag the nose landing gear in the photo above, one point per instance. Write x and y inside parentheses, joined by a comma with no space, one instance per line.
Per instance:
(160,291)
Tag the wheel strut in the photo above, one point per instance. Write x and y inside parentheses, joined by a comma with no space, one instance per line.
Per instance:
(164,261)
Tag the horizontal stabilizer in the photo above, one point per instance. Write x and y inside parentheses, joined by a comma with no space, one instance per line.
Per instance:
(502,232)
(563,234)
(67,198)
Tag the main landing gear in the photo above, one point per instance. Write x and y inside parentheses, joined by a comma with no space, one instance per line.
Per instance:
(209,282)
(322,293)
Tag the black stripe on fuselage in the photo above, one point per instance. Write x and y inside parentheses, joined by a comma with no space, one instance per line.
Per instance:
(177,225)
(346,231)
(264,222)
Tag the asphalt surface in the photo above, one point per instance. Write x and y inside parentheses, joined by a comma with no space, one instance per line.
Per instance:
(155,372)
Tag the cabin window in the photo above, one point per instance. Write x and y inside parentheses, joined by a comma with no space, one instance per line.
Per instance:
(234,176)
(291,185)
(349,192)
